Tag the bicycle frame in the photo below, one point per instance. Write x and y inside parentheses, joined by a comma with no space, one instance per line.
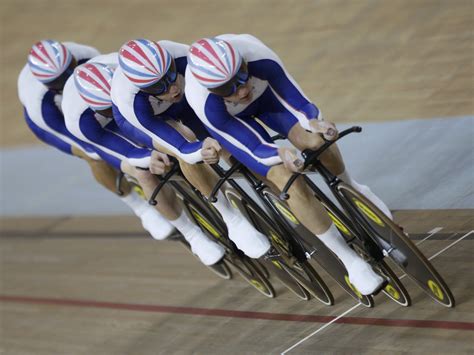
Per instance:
(359,226)
(262,191)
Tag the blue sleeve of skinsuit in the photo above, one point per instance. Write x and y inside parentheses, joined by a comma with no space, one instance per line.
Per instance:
(223,122)
(158,126)
(104,138)
(54,118)
(181,63)
(130,131)
(271,71)
(47,137)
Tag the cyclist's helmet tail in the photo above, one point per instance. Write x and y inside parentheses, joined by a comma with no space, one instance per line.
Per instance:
(48,59)
(93,82)
(144,62)
(213,61)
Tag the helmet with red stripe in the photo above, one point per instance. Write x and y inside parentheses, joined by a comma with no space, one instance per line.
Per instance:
(48,59)
(213,61)
(93,82)
(144,62)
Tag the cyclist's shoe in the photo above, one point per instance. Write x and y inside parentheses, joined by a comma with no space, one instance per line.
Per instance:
(366,280)
(253,243)
(156,224)
(208,251)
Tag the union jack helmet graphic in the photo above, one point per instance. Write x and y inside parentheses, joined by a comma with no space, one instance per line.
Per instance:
(213,61)
(93,82)
(144,62)
(48,59)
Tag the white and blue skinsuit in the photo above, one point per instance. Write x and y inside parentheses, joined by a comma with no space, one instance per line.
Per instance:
(42,107)
(277,101)
(143,117)
(100,132)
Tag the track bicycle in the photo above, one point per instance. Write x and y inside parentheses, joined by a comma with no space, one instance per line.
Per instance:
(210,223)
(221,269)
(372,234)
(286,258)
(294,244)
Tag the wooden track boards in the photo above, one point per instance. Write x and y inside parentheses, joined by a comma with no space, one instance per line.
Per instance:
(92,285)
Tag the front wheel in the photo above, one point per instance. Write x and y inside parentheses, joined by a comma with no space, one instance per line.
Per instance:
(395,290)
(316,249)
(247,268)
(221,269)
(395,244)
(297,281)
(305,274)
(243,265)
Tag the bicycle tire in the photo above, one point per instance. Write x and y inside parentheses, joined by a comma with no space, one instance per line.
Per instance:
(383,230)
(263,269)
(221,269)
(313,284)
(322,255)
(395,290)
(246,268)
(279,268)
(308,278)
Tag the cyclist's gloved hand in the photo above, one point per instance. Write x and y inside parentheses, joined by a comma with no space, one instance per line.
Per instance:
(327,129)
(290,159)
(159,163)
(210,151)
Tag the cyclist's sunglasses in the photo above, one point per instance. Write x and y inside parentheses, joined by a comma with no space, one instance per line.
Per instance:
(231,87)
(163,85)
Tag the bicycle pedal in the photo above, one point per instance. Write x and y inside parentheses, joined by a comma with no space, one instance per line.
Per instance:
(271,254)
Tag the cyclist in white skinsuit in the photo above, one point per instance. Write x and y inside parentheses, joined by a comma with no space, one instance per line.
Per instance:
(231,80)
(87,108)
(149,105)
(40,86)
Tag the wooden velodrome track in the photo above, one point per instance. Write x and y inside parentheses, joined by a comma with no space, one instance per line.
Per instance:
(77,285)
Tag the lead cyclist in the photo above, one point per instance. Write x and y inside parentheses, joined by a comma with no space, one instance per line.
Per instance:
(233,79)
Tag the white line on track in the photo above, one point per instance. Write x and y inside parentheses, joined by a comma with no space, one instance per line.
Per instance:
(450,245)
(432,232)
(322,328)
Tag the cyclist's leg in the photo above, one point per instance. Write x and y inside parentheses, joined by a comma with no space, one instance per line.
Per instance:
(241,232)
(331,158)
(313,216)
(103,173)
(170,207)
(208,251)
(310,211)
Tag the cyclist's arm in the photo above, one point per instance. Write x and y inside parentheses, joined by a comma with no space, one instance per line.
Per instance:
(164,136)
(47,137)
(237,133)
(286,89)
(108,142)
